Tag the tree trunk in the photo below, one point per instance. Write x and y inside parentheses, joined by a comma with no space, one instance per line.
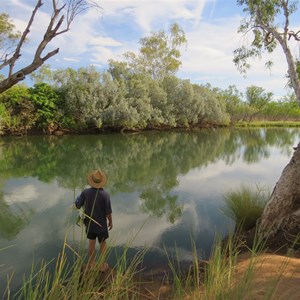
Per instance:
(281,215)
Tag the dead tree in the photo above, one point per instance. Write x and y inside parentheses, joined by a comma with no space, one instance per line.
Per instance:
(59,23)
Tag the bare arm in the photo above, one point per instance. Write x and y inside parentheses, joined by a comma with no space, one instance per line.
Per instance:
(110,223)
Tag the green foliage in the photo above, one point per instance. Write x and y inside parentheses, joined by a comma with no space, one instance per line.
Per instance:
(213,108)
(4,118)
(268,21)
(140,92)
(257,98)
(245,206)
(43,74)
(8,35)
(82,98)
(235,107)
(44,98)
(20,109)
(159,53)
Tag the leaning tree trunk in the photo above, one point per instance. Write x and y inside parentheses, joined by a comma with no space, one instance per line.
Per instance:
(281,215)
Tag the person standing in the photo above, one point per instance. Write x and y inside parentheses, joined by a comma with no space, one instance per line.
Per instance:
(98,214)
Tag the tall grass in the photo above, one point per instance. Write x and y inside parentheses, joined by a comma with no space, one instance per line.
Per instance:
(222,277)
(245,205)
(77,280)
(217,278)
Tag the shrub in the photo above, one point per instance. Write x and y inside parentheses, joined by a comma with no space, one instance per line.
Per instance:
(245,206)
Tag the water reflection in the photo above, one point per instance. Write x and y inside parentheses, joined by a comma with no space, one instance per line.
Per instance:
(166,188)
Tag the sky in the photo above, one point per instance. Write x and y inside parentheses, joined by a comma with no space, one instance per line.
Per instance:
(210,27)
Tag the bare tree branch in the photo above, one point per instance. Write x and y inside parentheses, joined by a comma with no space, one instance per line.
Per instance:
(74,8)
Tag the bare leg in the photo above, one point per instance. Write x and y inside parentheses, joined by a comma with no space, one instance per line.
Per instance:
(92,246)
(103,248)
(104,265)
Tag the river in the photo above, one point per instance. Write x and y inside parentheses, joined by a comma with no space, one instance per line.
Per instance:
(167,190)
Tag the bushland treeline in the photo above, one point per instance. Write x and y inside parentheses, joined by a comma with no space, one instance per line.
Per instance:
(139,92)
(85,99)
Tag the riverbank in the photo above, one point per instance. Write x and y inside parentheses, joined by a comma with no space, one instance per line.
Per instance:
(268,124)
(58,131)
(273,277)
(253,276)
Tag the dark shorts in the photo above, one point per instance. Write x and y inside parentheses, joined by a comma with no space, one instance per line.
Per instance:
(101,236)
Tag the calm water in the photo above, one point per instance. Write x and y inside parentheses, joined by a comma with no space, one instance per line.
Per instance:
(166,189)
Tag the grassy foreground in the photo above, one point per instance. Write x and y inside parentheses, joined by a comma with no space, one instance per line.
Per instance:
(218,278)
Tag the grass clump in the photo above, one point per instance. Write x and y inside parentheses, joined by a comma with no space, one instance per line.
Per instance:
(245,206)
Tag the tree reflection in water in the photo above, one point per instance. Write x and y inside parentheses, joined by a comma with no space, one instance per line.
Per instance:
(174,180)
(148,163)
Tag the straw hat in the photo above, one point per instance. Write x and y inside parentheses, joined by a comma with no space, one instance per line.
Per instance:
(97,179)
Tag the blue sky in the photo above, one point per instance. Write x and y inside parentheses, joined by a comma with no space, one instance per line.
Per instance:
(210,27)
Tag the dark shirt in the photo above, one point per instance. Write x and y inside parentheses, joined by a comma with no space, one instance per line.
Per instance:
(97,206)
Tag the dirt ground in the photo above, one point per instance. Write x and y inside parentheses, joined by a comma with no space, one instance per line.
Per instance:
(274,274)
(279,273)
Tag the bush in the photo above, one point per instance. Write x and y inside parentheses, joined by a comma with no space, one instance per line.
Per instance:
(245,206)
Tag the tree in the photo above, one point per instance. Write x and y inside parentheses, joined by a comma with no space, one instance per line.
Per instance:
(159,53)
(235,107)
(257,97)
(59,23)
(43,74)
(19,113)
(82,99)
(263,19)
(45,98)
(281,214)
(8,36)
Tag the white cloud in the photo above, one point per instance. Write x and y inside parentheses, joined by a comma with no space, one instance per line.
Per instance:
(96,37)
(148,14)
(70,59)
(33,192)
(20,194)
(104,42)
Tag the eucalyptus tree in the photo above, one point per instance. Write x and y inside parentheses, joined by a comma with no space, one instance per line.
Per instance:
(59,22)
(257,99)
(213,106)
(44,74)
(235,106)
(158,99)
(134,104)
(159,53)
(139,101)
(269,20)
(9,36)
(82,100)
(170,85)
(187,108)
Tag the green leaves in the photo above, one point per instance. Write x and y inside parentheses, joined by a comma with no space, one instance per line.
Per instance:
(159,53)
(45,98)
(8,35)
